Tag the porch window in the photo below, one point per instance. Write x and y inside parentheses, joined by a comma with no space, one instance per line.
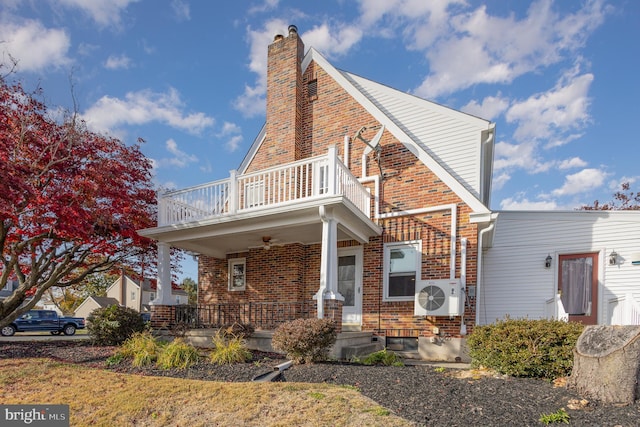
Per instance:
(402,269)
(237,274)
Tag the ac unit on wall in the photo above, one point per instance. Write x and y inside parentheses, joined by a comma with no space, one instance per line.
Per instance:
(438,298)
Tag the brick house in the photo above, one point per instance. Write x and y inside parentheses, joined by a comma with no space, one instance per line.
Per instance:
(355,202)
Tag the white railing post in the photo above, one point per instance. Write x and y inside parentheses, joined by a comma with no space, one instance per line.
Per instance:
(233,196)
(162,210)
(332,172)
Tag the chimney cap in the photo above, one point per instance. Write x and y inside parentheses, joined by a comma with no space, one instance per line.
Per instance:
(293,29)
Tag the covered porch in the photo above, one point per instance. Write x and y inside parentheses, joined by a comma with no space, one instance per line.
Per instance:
(314,202)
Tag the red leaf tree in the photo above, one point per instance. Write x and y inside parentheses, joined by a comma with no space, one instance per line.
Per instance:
(623,200)
(70,201)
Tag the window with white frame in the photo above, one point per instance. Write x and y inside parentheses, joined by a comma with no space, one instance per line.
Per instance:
(401,270)
(133,295)
(237,274)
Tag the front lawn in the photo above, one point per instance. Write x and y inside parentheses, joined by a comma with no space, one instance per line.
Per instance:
(103,398)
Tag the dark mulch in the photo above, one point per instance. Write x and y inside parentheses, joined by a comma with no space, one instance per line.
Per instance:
(418,393)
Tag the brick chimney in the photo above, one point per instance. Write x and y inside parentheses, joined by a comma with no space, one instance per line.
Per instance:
(285,97)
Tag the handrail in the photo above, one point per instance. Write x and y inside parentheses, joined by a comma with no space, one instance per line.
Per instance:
(303,179)
(261,315)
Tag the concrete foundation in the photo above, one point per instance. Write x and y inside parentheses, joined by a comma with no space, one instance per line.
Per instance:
(439,349)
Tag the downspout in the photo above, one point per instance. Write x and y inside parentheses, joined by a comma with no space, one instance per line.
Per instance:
(463,281)
(480,261)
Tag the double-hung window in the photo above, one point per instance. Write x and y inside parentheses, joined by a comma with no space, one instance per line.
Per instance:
(237,274)
(401,270)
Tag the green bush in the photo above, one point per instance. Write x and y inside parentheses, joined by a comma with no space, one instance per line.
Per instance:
(383,357)
(305,340)
(113,325)
(229,349)
(525,348)
(177,354)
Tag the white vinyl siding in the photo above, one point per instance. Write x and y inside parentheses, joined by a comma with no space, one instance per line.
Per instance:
(514,279)
(450,137)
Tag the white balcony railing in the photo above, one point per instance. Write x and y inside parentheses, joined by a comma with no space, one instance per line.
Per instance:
(309,178)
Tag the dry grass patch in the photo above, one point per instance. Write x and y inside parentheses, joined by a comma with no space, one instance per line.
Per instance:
(104,398)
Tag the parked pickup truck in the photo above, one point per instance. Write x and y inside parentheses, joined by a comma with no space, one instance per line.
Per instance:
(43,320)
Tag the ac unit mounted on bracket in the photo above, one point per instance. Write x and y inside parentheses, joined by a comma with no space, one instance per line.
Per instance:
(438,298)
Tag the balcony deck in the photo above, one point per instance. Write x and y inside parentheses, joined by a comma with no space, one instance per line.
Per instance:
(293,183)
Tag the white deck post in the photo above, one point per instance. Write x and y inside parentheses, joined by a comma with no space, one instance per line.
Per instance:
(233,198)
(163,296)
(328,261)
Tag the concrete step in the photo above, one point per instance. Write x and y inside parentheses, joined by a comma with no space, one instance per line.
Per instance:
(358,350)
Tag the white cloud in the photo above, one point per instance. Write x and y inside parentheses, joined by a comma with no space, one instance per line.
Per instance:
(575,162)
(452,39)
(265,6)
(35,47)
(118,62)
(521,203)
(333,41)
(523,156)
(181,9)
(229,128)
(499,181)
(581,182)
(180,158)
(252,102)
(233,143)
(138,108)
(490,108)
(551,114)
(104,12)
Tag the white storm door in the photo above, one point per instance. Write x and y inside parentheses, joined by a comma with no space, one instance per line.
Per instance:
(350,284)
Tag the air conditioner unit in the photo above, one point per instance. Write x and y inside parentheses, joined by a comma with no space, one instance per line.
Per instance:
(438,298)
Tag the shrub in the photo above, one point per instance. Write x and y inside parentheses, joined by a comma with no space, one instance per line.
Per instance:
(240,330)
(177,354)
(142,347)
(305,340)
(525,348)
(113,325)
(229,349)
(383,357)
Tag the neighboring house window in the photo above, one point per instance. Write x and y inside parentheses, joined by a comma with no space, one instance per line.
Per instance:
(133,295)
(237,274)
(152,296)
(401,270)
(177,299)
(7,286)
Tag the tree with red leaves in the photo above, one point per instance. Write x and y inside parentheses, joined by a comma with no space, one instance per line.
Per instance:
(70,201)
(623,200)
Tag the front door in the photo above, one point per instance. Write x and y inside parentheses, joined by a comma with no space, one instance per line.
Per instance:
(350,286)
(578,287)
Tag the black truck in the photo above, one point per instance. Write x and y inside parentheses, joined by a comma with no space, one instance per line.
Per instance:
(43,320)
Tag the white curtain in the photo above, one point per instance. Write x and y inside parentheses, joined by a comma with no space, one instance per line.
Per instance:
(577,276)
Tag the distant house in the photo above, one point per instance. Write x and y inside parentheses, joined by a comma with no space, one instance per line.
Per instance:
(8,289)
(128,292)
(93,303)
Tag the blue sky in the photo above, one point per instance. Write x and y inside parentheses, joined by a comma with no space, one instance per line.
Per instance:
(559,78)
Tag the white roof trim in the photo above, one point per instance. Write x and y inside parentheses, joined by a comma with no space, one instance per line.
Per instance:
(405,139)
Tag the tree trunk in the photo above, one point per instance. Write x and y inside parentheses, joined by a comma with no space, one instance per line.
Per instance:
(606,364)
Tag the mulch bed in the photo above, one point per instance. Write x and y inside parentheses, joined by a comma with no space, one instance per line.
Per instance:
(421,393)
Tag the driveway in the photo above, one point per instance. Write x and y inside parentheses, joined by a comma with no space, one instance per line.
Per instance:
(43,336)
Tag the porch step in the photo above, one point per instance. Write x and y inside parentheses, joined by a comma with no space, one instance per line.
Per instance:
(358,350)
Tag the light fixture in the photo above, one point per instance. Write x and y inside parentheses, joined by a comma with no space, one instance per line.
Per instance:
(547,261)
(266,240)
(613,258)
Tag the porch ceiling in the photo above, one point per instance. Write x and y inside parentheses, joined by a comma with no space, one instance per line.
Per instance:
(290,223)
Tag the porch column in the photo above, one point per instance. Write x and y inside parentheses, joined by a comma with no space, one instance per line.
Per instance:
(163,291)
(328,261)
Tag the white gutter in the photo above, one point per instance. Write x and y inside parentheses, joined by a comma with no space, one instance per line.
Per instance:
(480,260)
